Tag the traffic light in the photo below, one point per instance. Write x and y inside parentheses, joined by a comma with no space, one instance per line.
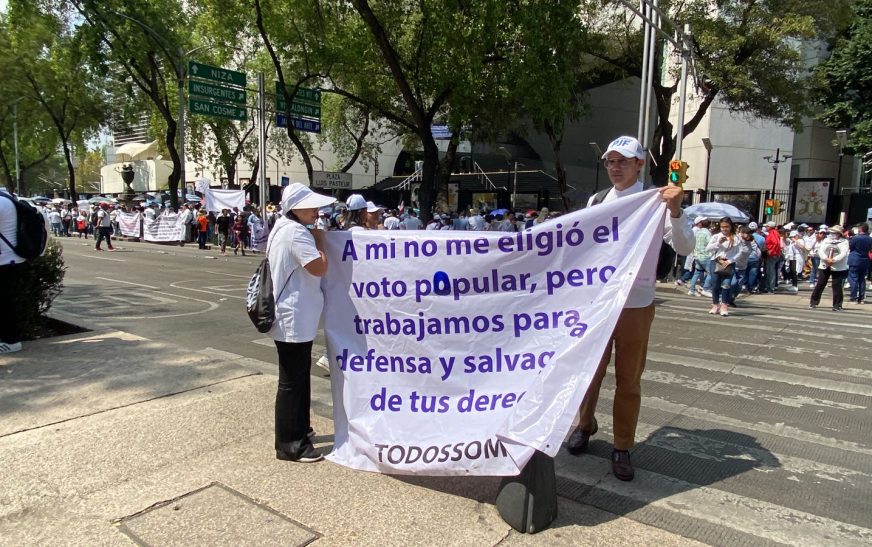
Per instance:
(675,172)
(682,173)
(776,206)
(769,207)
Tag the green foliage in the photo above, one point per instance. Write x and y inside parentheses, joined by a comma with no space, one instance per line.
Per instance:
(40,283)
(845,91)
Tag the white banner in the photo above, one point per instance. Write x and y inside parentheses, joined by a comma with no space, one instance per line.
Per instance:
(129,224)
(259,235)
(460,353)
(216,200)
(166,227)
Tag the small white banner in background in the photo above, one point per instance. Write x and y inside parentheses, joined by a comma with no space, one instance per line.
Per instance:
(460,353)
(129,223)
(216,200)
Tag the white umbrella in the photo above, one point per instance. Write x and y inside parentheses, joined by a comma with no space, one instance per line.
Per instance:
(716,211)
(60,201)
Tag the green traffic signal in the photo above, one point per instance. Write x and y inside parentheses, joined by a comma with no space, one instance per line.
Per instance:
(673,176)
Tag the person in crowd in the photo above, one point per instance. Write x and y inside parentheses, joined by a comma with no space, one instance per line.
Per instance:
(624,159)
(412,222)
(833,252)
(810,239)
(104,227)
(240,233)
(222,229)
(66,220)
(357,216)
(475,221)
(773,258)
(445,222)
(54,217)
(742,265)
(542,216)
(297,262)
(322,223)
(701,257)
(185,217)
(859,247)
(752,274)
(434,224)
(392,222)
(373,216)
(726,249)
(202,229)
(795,256)
(11,269)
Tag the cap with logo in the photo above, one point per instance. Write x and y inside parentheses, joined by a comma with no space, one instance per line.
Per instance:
(628,147)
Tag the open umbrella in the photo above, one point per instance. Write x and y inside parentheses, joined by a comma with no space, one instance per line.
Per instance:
(716,210)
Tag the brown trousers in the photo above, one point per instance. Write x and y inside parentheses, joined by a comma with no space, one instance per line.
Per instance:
(630,342)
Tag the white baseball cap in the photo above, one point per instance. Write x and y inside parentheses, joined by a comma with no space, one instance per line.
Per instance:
(300,196)
(753,225)
(699,220)
(628,147)
(355,202)
(372,207)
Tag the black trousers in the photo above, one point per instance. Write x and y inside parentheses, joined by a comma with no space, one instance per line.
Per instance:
(823,277)
(294,397)
(104,232)
(10,323)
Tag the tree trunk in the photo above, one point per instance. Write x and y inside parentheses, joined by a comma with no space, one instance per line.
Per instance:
(556,141)
(427,193)
(71,171)
(176,173)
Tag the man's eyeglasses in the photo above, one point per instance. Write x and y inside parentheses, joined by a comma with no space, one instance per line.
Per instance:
(622,163)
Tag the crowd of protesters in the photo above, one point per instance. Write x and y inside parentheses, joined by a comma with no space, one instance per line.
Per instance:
(730,259)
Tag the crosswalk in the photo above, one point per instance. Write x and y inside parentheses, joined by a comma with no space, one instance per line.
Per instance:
(755,429)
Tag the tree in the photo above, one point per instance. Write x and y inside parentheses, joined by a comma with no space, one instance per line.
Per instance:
(845,91)
(51,60)
(143,43)
(747,55)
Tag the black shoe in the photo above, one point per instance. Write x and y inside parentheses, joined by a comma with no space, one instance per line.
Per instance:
(812,306)
(621,466)
(309,455)
(579,439)
(837,309)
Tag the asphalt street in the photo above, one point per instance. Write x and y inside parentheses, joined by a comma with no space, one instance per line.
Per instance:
(755,429)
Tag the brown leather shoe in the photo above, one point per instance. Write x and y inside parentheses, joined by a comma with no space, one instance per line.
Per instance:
(579,439)
(621,466)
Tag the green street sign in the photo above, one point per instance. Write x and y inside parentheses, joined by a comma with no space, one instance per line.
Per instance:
(207,108)
(311,97)
(216,74)
(214,92)
(304,110)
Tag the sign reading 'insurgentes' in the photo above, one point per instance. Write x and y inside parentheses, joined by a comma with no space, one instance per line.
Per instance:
(217,92)
(462,353)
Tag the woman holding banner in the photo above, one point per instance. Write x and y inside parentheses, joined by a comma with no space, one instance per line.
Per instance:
(297,262)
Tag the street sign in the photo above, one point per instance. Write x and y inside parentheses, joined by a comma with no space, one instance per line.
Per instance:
(331,181)
(312,126)
(304,110)
(230,112)
(216,74)
(304,95)
(217,93)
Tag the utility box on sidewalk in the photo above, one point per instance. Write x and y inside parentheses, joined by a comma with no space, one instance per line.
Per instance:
(528,501)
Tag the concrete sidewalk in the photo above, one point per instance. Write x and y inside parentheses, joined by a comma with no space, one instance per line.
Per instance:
(110,439)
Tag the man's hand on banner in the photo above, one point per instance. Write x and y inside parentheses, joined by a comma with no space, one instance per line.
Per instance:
(673,196)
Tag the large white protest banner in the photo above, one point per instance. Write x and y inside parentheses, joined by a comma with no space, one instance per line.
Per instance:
(216,200)
(461,353)
(129,223)
(165,227)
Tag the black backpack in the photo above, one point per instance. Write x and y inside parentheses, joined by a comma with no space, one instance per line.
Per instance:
(259,301)
(666,258)
(32,235)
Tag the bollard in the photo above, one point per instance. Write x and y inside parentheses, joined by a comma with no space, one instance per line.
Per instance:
(528,502)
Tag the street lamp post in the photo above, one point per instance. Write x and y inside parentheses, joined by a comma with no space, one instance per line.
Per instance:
(775,161)
(842,138)
(707,143)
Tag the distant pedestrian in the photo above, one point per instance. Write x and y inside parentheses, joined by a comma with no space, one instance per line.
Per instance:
(726,249)
(202,229)
(103,227)
(833,252)
(860,247)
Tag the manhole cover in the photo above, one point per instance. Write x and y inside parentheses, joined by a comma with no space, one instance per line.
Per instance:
(215,515)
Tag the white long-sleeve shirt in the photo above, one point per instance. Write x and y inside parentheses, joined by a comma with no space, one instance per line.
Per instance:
(731,248)
(837,249)
(677,233)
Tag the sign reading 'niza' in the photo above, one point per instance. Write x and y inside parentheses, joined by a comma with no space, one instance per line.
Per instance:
(216,74)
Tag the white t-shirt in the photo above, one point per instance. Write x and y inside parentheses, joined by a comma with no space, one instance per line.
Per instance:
(54,217)
(676,232)
(9,229)
(392,223)
(103,219)
(297,293)
(412,223)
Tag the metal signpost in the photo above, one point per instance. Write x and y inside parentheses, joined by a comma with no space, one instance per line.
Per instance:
(304,113)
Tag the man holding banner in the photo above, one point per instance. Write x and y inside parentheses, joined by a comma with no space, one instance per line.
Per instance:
(624,160)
